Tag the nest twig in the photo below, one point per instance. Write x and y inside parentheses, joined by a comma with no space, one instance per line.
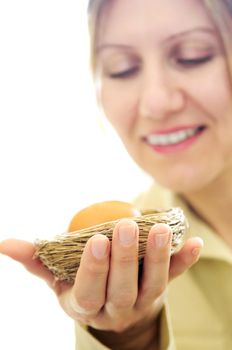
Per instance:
(62,254)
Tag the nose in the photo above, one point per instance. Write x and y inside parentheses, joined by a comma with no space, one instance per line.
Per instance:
(161,95)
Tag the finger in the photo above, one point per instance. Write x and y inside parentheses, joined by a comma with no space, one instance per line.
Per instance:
(156,265)
(87,296)
(23,252)
(123,278)
(186,257)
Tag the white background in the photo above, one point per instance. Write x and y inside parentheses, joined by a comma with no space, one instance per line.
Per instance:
(56,155)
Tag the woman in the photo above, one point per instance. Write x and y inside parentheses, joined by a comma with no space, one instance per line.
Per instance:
(161,69)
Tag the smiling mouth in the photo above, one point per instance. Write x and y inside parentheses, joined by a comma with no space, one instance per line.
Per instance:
(173,138)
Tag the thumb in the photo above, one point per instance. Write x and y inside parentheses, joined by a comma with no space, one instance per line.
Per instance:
(23,252)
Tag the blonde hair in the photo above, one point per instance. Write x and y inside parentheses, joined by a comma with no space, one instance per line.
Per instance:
(94,12)
(221,13)
(219,10)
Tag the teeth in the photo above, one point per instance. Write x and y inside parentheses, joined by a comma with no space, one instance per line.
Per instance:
(171,138)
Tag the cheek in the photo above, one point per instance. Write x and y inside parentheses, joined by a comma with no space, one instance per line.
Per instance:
(212,91)
(118,106)
(216,102)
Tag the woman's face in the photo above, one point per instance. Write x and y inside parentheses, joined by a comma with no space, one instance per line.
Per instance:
(165,89)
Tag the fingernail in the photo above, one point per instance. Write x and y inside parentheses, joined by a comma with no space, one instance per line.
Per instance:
(127,233)
(162,239)
(162,235)
(196,251)
(99,247)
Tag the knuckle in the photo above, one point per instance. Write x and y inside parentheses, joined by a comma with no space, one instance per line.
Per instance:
(159,258)
(152,292)
(94,268)
(128,259)
(88,305)
(159,289)
(123,300)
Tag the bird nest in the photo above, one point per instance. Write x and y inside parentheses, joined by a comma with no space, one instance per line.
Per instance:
(62,254)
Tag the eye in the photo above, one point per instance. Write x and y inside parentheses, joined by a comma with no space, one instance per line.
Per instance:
(191,62)
(124,74)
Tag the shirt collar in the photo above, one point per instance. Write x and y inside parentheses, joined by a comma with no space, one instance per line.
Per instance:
(214,246)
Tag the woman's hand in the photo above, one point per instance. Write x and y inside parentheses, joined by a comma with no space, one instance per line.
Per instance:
(107,294)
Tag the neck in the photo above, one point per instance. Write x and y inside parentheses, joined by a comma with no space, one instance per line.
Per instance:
(214,206)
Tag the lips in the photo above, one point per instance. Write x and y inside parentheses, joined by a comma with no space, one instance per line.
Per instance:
(173,139)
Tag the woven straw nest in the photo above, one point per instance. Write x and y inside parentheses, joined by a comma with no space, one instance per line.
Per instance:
(62,254)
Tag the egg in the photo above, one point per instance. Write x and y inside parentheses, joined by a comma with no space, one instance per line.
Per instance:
(102,212)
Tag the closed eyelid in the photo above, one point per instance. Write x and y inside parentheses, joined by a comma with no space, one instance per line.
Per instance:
(194,61)
(124,73)
(119,67)
(116,62)
(195,52)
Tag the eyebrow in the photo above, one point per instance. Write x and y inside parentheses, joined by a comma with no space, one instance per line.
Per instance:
(113,46)
(207,30)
